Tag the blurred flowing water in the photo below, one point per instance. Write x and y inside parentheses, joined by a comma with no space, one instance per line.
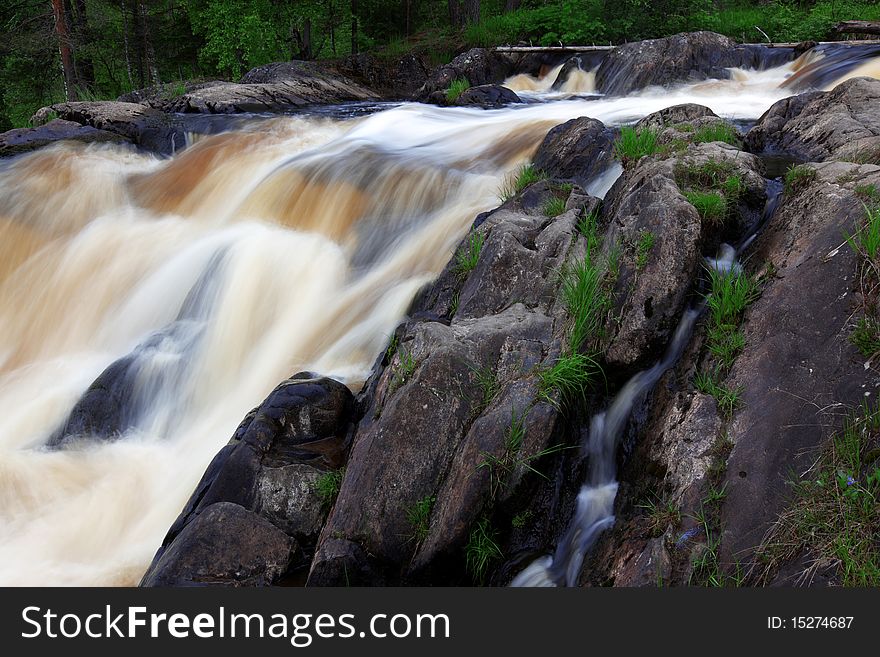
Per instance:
(291,243)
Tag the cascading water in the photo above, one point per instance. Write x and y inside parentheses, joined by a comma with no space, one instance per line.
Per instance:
(189,287)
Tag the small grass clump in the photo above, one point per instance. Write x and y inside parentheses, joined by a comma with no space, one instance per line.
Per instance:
(481,550)
(584,299)
(419,516)
(798,177)
(588,227)
(711,205)
(835,516)
(635,143)
(728,399)
(502,467)
(456,89)
(716,132)
(489,385)
(711,174)
(468,255)
(866,240)
(643,248)
(554,207)
(405,369)
(571,375)
(867,192)
(866,337)
(521,519)
(515,183)
(327,486)
(725,342)
(661,513)
(731,294)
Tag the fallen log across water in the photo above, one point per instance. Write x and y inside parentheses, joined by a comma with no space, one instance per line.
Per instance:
(858,27)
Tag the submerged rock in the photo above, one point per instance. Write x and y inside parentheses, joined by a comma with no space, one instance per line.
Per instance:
(841,124)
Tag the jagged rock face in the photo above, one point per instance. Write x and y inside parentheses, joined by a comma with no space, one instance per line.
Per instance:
(22,140)
(444,404)
(263,479)
(675,115)
(799,365)
(478,66)
(144,126)
(663,61)
(578,150)
(841,124)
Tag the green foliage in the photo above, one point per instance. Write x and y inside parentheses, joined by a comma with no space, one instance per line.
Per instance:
(406,367)
(469,255)
(835,513)
(716,132)
(481,550)
(584,299)
(488,383)
(456,89)
(711,174)
(661,514)
(711,206)
(554,207)
(635,143)
(798,177)
(725,342)
(419,517)
(643,248)
(327,486)
(521,519)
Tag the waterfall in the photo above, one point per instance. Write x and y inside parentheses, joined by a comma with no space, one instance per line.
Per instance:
(184,289)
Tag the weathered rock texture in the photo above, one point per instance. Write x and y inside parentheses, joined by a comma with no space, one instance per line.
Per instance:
(23,140)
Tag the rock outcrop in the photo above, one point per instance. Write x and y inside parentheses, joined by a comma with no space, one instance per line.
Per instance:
(143,126)
(580,150)
(841,124)
(23,140)
(478,66)
(257,511)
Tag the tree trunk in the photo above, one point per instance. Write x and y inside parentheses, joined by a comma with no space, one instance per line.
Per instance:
(138,43)
(85,68)
(408,14)
(472,11)
(307,39)
(354,27)
(512,5)
(125,44)
(63,33)
(149,53)
(454,13)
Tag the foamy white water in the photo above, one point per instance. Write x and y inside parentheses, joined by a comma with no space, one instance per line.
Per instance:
(295,245)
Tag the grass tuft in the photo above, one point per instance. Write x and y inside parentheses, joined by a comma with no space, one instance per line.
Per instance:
(798,177)
(635,143)
(554,207)
(327,486)
(716,132)
(643,248)
(481,550)
(866,337)
(468,255)
(571,375)
(728,399)
(518,181)
(419,516)
(866,240)
(711,206)
(456,89)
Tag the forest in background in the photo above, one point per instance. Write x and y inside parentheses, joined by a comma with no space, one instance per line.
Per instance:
(52,50)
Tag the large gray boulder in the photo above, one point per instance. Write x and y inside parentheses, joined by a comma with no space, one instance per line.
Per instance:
(478,66)
(580,150)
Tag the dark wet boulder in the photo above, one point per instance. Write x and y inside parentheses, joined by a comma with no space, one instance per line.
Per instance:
(478,66)
(226,545)
(22,140)
(580,149)
(682,57)
(398,78)
(271,466)
(487,96)
(841,124)
(144,126)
